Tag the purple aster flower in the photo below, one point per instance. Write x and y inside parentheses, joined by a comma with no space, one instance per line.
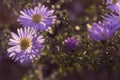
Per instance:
(71,43)
(101,31)
(25,47)
(39,17)
(113,5)
(114,20)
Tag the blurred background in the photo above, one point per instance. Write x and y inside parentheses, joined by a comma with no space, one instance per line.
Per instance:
(89,61)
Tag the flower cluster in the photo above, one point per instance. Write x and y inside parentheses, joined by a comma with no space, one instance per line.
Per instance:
(26,45)
(106,29)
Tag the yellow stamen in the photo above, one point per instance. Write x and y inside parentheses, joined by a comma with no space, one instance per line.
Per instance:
(25,43)
(37,18)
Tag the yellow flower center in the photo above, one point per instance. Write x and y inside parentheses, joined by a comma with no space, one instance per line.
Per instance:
(25,43)
(114,1)
(37,18)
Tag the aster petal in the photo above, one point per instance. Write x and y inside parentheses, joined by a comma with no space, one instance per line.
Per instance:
(15,36)
(42,8)
(15,41)
(35,9)
(12,54)
(26,17)
(27,12)
(30,12)
(41,26)
(18,30)
(22,33)
(14,48)
(26,22)
(41,40)
(22,12)
(50,12)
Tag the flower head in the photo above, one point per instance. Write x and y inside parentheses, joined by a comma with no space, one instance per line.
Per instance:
(71,43)
(114,20)
(25,47)
(113,5)
(101,31)
(39,17)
